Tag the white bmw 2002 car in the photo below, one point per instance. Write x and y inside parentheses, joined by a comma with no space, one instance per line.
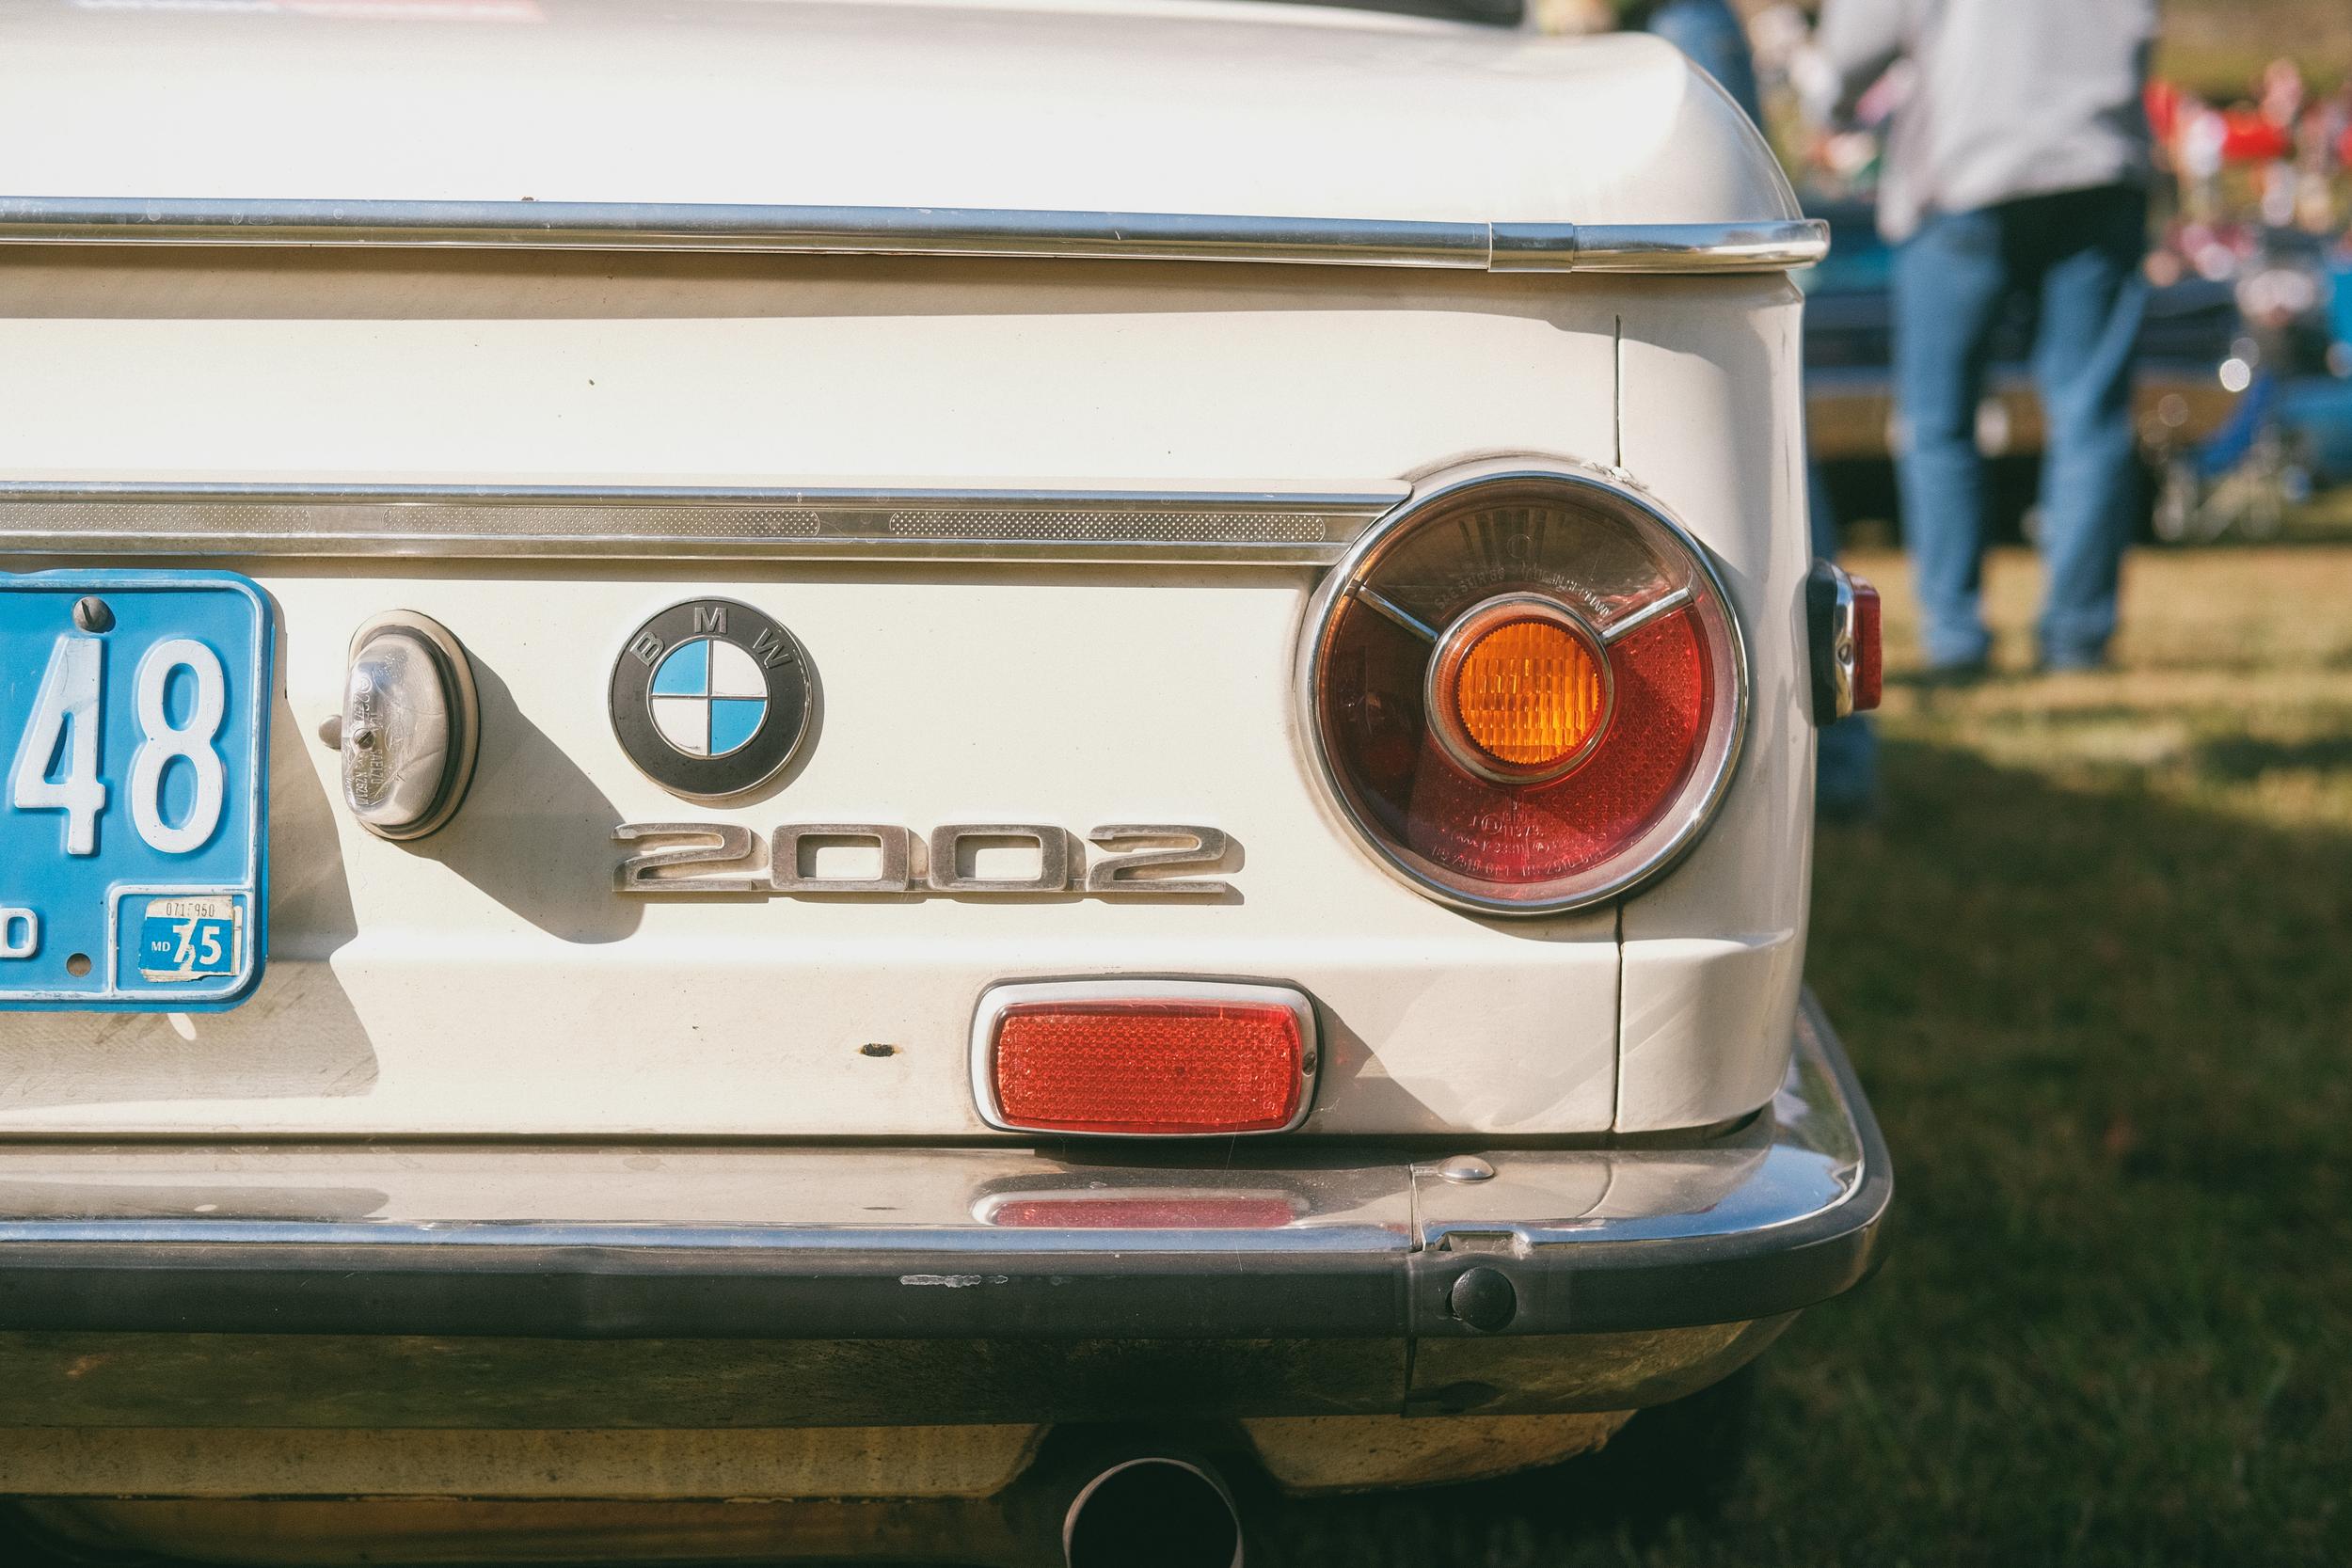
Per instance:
(938,780)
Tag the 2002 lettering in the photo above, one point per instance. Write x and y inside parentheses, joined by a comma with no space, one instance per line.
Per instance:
(719,858)
(67,714)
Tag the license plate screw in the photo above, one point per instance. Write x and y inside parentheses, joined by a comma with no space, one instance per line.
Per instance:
(93,614)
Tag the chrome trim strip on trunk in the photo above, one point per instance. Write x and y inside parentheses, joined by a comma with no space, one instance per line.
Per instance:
(1271,527)
(1658,248)
(1764,245)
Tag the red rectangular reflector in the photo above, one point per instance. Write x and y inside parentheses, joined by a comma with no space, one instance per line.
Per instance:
(1148,1066)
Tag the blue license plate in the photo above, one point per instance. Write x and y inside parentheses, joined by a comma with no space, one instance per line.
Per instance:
(134,731)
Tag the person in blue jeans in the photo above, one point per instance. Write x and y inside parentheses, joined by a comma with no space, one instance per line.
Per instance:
(1846,777)
(2016,163)
(1710,32)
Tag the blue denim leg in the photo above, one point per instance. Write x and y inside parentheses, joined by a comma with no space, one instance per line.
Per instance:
(1710,33)
(1846,770)
(2092,296)
(1950,280)
(1846,753)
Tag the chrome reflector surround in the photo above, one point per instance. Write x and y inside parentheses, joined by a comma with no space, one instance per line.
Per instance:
(1522,483)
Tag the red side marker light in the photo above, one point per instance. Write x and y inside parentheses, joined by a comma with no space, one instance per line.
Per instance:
(1849,649)
(1868,646)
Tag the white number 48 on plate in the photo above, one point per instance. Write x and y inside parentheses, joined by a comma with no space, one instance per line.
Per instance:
(70,711)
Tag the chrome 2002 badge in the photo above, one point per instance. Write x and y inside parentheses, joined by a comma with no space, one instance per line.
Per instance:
(711,698)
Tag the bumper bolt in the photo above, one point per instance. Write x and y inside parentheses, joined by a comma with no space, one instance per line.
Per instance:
(1484,1299)
(1467,1167)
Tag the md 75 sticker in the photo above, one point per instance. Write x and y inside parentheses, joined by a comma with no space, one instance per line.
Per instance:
(191,938)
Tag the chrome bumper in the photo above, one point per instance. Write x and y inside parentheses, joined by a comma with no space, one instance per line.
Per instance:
(799,1243)
(1341,1259)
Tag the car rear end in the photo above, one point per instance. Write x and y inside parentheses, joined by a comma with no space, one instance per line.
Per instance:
(882,858)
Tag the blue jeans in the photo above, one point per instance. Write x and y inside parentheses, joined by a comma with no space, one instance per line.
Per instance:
(1710,32)
(2077,256)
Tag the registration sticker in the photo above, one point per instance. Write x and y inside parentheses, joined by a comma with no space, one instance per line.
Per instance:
(191,937)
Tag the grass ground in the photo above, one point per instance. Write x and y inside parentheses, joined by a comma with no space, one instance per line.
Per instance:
(2218,46)
(2095,969)
(2096,966)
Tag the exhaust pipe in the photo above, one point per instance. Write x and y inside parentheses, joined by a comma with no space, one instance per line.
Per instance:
(1154,1510)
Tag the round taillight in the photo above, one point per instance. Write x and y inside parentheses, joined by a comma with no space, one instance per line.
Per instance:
(1525,689)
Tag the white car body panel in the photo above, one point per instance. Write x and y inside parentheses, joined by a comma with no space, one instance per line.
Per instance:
(1288,111)
(1037,379)
(1714,954)
(803,370)
(487,980)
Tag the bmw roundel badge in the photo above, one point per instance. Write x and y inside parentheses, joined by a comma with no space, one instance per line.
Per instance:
(711,698)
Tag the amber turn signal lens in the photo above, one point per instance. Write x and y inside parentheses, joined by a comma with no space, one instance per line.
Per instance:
(1529,693)
(1519,691)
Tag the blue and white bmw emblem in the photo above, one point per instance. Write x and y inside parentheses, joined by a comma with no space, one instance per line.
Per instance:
(711,698)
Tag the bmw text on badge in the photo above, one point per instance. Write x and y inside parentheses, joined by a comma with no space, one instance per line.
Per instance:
(133,728)
(711,698)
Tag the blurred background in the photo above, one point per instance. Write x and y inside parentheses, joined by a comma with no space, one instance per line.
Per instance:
(2244,396)
(2091,953)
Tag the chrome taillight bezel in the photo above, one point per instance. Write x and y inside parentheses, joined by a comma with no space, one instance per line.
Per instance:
(1656,848)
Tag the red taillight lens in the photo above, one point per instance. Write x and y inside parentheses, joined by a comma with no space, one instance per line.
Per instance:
(1146,1065)
(1526,690)
(1541,833)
